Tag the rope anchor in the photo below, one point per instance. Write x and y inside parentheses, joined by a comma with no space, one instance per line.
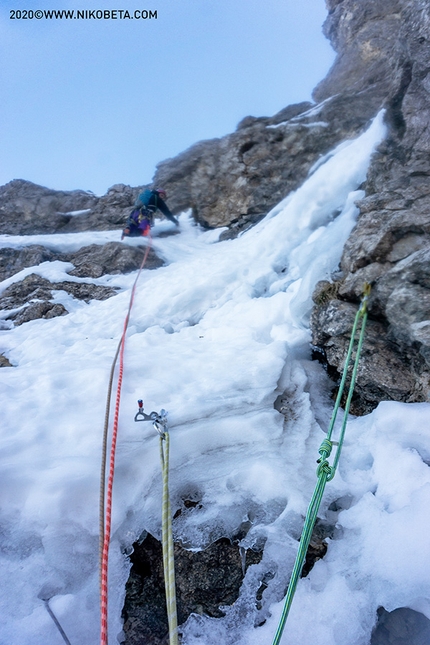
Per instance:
(159,419)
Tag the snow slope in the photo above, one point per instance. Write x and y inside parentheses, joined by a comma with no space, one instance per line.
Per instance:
(215,336)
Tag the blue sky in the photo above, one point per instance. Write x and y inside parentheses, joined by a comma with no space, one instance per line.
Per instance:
(90,103)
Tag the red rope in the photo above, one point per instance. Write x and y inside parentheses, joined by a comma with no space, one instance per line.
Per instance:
(108,521)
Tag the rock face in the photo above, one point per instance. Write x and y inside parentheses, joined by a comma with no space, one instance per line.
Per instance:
(386,47)
(28,208)
(31,297)
(204,581)
(236,180)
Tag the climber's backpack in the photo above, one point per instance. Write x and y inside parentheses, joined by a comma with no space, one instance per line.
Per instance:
(144,198)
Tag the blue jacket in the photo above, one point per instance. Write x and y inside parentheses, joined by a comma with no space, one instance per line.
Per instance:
(151,200)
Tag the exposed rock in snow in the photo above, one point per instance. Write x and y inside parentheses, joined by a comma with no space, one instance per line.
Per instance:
(97,260)
(14,260)
(28,208)
(206,580)
(403,626)
(31,297)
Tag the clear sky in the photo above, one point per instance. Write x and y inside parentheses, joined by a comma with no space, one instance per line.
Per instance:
(88,103)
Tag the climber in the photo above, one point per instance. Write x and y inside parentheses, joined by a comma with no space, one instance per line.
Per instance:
(142,216)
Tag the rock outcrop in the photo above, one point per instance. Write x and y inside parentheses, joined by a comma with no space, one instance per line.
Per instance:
(109,212)
(31,297)
(205,581)
(26,208)
(403,626)
(385,47)
(89,262)
(234,181)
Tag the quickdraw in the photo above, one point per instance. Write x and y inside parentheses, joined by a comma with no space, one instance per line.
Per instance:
(159,421)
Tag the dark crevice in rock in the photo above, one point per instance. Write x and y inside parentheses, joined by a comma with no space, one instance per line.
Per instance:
(317,546)
(268,576)
(205,581)
(394,114)
(245,148)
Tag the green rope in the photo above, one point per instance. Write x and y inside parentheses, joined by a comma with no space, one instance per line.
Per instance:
(167,542)
(325,472)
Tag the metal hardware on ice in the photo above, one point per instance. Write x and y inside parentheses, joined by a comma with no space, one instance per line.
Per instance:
(159,419)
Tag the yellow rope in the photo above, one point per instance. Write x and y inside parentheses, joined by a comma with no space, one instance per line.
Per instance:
(167,542)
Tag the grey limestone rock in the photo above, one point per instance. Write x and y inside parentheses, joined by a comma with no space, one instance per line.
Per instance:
(28,208)
(205,581)
(112,258)
(109,212)
(32,295)
(403,626)
(383,373)
(385,48)
(14,260)
(31,298)
(91,261)
(35,310)
(234,181)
